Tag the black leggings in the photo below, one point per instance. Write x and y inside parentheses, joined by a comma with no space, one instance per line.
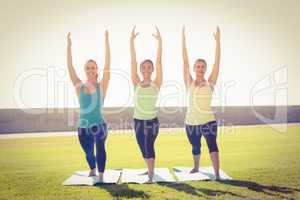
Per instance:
(146,132)
(208,130)
(87,138)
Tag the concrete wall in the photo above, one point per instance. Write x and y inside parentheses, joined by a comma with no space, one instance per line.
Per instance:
(39,120)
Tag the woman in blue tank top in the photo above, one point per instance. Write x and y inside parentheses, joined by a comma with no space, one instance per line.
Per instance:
(92,128)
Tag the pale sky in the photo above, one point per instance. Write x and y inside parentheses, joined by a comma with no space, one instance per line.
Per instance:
(260,48)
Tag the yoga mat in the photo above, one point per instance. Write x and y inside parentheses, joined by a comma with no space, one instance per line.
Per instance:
(205,173)
(140,176)
(81,178)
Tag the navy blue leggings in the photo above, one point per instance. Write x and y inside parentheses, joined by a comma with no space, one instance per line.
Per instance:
(146,132)
(87,138)
(208,130)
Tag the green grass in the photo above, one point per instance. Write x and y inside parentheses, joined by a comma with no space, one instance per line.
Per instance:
(263,162)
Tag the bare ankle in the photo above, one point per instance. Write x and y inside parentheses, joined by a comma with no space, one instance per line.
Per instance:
(101,176)
(92,172)
(194,170)
(150,180)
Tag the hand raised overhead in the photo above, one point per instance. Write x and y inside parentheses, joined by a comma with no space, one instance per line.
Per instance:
(217,35)
(157,35)
(133,34)
(106,33)
(69,39)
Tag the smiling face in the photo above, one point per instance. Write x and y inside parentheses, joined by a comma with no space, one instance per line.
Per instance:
(91,69)
(146,69)
(200,67)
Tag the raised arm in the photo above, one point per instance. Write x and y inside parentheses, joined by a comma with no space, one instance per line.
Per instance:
(215,71)
(186,71)
(72,73)
(106,72)
(159,74)
(134,75)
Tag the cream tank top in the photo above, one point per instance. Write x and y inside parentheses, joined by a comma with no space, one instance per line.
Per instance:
(199,110)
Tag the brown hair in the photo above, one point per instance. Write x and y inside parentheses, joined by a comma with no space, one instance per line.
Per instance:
(147,60)
(90,60)
(200,60)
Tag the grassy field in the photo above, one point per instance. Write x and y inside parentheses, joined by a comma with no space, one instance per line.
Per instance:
(263,162)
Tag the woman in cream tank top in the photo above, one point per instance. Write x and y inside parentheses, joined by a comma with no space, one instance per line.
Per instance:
(200,119)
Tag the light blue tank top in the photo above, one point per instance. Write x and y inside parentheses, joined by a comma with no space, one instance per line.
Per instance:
(90,108)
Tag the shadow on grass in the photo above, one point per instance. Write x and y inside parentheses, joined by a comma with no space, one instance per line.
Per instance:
(256,187)
(123,191)
(183,187)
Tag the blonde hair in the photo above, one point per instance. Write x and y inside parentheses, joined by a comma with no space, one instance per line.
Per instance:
(200,60)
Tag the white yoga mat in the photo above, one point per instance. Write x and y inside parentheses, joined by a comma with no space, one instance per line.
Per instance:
(81,178)
(205,173)
(140,175)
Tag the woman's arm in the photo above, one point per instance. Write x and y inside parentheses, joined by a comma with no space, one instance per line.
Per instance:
(72,73)
(106,72)
(215,72)
(186,71)
(134,75)
(159,73)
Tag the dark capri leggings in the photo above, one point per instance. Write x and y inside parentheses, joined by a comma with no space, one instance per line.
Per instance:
(209,132)
(146,132)
(88,137)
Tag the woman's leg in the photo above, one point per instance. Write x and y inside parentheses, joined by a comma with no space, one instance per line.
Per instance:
(152,129)
(210,135)
(100,135)
(150,166)
(196,159)
(194,136)
(87,143)
(214,156)
(140,136)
